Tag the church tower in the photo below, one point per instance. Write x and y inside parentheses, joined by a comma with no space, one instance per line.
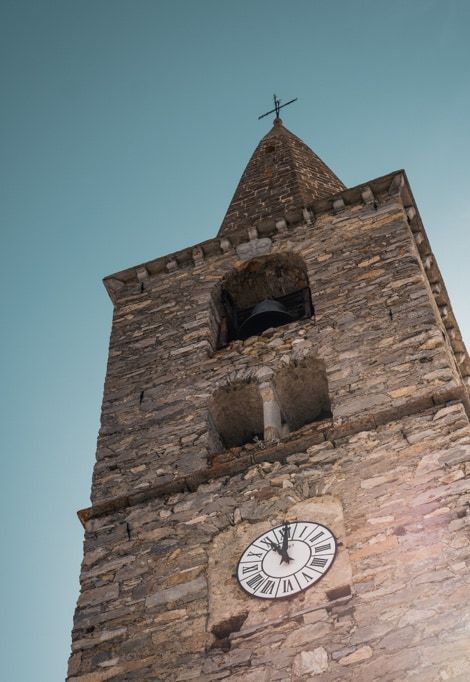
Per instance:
(281,487)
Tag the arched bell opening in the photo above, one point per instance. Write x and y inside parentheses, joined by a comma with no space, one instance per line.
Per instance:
(236,416)
(302,390)
(266,292)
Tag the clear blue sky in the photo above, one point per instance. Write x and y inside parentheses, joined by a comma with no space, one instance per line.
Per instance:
(125,126)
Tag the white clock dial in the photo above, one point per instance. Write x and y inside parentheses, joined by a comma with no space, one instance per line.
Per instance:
(286,559)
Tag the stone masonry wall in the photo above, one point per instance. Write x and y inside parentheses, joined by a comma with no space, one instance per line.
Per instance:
(159,603)
(388,471)
(376,328)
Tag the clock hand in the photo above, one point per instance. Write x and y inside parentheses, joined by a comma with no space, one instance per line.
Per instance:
(285,545)
(275,547)
(284,556)
(285,537)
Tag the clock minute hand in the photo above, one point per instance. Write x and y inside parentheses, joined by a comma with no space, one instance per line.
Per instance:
(285,545)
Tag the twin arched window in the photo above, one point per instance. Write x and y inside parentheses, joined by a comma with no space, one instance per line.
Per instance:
(270,408)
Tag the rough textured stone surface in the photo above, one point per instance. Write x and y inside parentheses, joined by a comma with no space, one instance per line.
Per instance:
(371,334)
(408,573)
(357,656)
(283,174)
(389,471)
(173,594)
(310,662)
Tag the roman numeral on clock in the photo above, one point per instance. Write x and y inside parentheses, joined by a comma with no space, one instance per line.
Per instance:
(267,542)
(318,561)
(287,586)
(323,548)
(255,581)
(249,569)
(315,537)
(268,587)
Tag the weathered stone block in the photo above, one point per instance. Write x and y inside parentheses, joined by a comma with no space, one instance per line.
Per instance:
(361,654)
(191,589)
(310,662)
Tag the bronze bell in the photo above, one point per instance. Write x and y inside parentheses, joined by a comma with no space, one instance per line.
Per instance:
(266,314)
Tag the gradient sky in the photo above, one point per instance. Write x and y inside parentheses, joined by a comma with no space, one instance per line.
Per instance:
(125,126)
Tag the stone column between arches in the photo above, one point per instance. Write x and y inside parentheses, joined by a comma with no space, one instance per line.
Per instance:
(271,412)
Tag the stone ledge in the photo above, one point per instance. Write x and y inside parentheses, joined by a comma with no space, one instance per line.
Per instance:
(392,184)
(326,606)
(277,452)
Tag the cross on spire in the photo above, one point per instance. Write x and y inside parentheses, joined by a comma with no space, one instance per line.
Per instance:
(277,107)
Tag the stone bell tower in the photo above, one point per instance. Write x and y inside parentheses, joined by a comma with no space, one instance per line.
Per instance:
(281,487)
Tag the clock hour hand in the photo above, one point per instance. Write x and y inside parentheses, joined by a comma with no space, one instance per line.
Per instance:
(275,547)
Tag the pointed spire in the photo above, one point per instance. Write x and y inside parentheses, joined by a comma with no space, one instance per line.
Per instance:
(282,174)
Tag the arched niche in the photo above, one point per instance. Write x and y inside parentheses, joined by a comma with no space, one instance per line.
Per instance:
(236,415)
(302,391)
(279,278)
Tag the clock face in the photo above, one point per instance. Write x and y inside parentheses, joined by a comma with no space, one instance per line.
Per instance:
(286,560)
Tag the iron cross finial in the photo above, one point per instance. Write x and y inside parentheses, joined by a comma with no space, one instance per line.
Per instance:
(277,107)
